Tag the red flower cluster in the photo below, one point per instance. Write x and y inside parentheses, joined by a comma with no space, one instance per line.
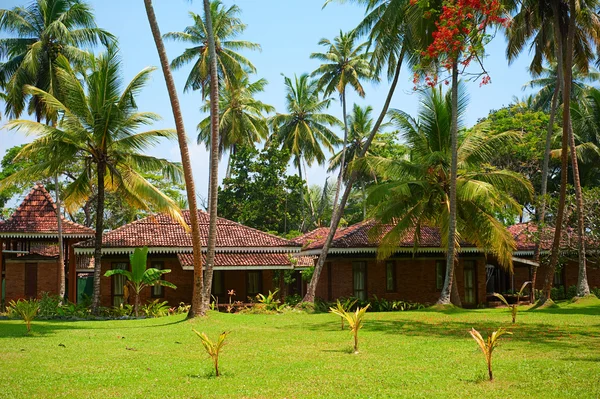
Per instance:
(460,31)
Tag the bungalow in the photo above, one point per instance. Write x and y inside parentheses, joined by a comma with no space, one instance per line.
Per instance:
(29,262)
(352,267)
(246,261)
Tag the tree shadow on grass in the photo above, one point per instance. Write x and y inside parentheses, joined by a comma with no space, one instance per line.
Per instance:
(17,329)
(120,327)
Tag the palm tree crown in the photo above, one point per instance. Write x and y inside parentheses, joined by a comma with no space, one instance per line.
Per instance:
(42,31)
(227,26)
(416,192)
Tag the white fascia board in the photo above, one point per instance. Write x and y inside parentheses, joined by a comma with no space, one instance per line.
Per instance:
(258,267)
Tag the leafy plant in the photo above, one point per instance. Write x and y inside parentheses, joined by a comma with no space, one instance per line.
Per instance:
(355,320)
(121,310)
(49,305)
(156,308)
(182,308)
(213,348)
(26,309)
(514,307)
(269,302)
(344,307)
(488,345)
(139,277)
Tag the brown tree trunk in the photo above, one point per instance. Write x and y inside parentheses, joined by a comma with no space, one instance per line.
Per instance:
(343,160)
(98,237)
(337,215)
(446,297)
(214,159)
(541,215)
(196,308)
(61,248)
(565,65)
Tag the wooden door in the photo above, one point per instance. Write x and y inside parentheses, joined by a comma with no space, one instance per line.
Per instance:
(31,280)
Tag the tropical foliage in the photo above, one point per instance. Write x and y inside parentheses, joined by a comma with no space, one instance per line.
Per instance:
(355,320)
(213,349)
(27,309)
(488,345)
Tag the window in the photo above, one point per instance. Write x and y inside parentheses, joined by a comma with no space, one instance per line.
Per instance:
(118,284)
(218,283)
(254,282)
(158,291)
(390,276)
(469,271)
(359,272)
(440,274)
(558,277)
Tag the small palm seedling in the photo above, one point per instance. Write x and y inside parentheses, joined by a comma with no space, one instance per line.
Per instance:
(26,309)
(488,345)
(213,348)
(268,301)
(355,321)
(514,307)
(343,307)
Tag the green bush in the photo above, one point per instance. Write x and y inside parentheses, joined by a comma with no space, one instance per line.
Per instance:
(292,300)
(156,309)
(49,305)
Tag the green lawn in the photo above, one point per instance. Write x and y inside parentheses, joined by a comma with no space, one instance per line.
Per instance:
(416,354)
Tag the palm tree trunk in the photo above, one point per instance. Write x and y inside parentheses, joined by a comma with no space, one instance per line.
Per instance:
(214,158)
(337,215)
(364,199)
(445,296)
(563,65)
(61,248)
(343,160)
(541,215)
(98,237)
(195,309)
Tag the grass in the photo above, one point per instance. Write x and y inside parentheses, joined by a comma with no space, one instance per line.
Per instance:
(553,352)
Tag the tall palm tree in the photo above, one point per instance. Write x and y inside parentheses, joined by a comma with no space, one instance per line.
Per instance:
(343,65)
(98,124)
(190,187)
(230,63)
(42,31)
(387,24)
(214,156)
(417,190)
(573,29)
(305,130)
(242,119)
(360,124)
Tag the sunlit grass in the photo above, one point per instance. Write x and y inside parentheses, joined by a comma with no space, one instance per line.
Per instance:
(552,353)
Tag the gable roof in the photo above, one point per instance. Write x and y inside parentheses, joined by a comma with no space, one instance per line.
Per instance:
(161,233)
(36,217)
(319,233)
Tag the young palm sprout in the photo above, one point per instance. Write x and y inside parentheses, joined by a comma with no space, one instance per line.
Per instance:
(343,307)
(27,309)
(213,348)
(355,321)
(488,345)
(514,306)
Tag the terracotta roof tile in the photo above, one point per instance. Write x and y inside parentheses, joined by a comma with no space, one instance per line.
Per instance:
(244,259)
(319,233)
(162,231)
(37,215)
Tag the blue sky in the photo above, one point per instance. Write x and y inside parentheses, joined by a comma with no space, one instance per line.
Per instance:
(288,31)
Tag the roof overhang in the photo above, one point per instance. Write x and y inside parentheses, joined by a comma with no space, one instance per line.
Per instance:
(373,250)
(184,250)
(525,261)
(43,235)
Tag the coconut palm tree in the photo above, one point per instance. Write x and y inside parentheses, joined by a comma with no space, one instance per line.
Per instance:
(242,119)
(190,187)
(388,26)
(343,65)
(39,33)
(306,129)
(230,63)
(416,191)
(98,124)
(573,30)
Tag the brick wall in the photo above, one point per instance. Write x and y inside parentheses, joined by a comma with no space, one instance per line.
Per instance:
(47,279)
(415,279)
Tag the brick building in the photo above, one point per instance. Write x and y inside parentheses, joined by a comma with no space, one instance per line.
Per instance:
(29,262)
(417,274)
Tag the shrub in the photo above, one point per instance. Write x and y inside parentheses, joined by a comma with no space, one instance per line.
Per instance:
(121,311)
(293,300)
(213,348)
(355,321)
(182,308)
(269,302)
(156,309)
(25,309)
(488,345)
(49,305)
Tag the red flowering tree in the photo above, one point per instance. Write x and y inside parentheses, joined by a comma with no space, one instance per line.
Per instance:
(455,34)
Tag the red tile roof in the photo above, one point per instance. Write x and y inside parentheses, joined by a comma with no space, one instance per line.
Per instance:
(245,259)
(525,235)
(317,234)
(368,234)
(162,231)
(36,216)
